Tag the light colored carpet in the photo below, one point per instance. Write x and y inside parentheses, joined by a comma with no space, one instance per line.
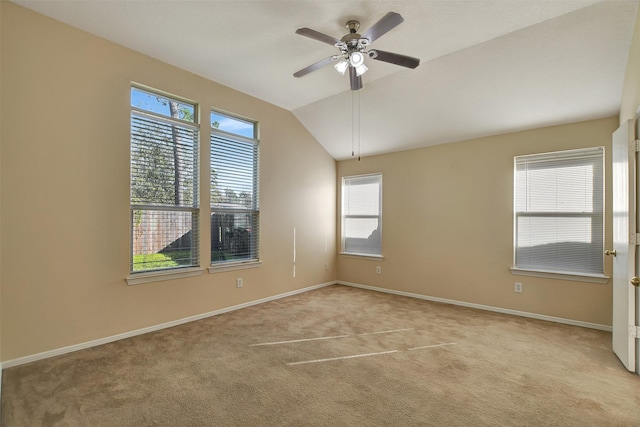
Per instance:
(333,357)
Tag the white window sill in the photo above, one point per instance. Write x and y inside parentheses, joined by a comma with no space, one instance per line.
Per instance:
(158,276)
(561,275)
(361,256)
(231,266)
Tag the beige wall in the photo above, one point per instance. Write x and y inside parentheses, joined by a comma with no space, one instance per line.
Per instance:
(448,224)
(631,89)
(65,192)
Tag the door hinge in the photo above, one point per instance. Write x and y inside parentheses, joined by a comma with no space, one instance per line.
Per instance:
(634,331)
(636,145)
(634,239)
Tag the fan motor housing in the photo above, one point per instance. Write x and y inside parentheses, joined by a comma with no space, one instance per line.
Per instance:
(353,40)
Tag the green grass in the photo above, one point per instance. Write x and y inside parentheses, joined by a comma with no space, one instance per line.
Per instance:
(146,262)
(142,262)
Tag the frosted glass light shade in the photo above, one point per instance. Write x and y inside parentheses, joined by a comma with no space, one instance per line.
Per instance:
(341,67)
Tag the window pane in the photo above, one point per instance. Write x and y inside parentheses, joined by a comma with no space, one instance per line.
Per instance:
(234,236)
(158,104)
(361,196)
(164,239)
(163,163)
(362,235)
(234,167)
(562,244)
(567,188)
(233,125)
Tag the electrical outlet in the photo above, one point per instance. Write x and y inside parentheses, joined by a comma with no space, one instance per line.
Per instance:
(326,266)
(517,287)
(378,270)
(239,282)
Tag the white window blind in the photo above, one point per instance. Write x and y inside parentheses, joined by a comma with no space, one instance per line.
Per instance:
(362,214)
(234,190)
(164,182)
(559,211)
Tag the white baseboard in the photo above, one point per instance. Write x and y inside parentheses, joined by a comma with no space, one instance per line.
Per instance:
(94,343)
(483,307)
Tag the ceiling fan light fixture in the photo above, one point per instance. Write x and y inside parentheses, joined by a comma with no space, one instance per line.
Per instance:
(361,69)
(341,67)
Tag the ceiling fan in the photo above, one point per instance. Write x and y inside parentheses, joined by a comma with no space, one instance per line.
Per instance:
(353,49)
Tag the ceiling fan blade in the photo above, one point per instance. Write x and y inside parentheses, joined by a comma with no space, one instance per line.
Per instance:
(313,67)
(355,79)
(395,58)
(316,35)
(387,23)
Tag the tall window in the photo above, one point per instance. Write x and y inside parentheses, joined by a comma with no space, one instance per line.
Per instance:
(559,211)
(234,190)
(362,214)
(164,182)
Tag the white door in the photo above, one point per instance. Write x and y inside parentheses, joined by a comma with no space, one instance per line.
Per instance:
(624,225)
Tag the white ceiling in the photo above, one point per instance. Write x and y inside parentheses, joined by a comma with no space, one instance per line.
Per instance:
(487,66)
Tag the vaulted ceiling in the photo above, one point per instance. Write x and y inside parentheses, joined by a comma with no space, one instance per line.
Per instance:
(487,66)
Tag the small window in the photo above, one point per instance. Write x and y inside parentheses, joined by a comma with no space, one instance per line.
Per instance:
(164,182)
(362,215)
(233,125)
(235,214)
(559,209)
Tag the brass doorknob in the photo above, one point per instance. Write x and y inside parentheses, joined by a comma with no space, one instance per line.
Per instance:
(635,281)
(610,252)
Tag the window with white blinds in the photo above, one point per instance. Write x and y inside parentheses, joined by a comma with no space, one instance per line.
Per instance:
(235,215)
(362,215)
(559,208)
(164,182)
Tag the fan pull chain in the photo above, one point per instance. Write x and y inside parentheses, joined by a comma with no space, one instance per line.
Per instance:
(358,109)
(355,122)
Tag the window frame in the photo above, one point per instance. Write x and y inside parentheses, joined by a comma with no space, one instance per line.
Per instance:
(344,217)
(254,211)
(598,197)
(192,207)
